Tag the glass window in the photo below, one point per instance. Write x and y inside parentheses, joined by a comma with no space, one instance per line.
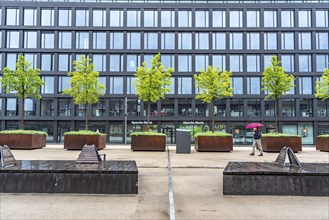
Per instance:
(64,17)
(32,58)
(116,85)
(12,17)
(321,18)
(99,61)
(116,18)
(131,88)
(253,42)
(64,107)
(253,85)
(269,108)
(236,63)
(219,61)
(48,87)
(321,62)
(237,85)
(267,60)
(63,83)
(167,107)
(82,18)
(253,19)
(99,18)
(184,85)
(172,86)
(304,18)
(0,36)
(253,63)
(47,17)
(147,59)
(30,39)
(270,41)
(64,62)
(116,63)
(167,41)
(236,19)
(184,41)
(288,108)
(168,18)
(133,107)
(82,40)
(236,41)
(236,107)
(304,41)
(305,85)
(47,107)
(150,19)
(151,41)
(99,40)
(11,107)
(99,109)
(305,63)
(102,81)
(168,61)
(184,63)
(201,62)
(201,41)
(133,61)
(253,107)
(184,19)
(80,110)
(287,41)
(218,41)
(133,18)
(30,17)
(322,41)
(12,39)
(11,61)
(185,107)
(116,40)
(306,109)
(287,62)
(287,19)
(201,19)
(323,111)
(47,40)
(47,62)
(64,40)
(270,19)
(218,19)
(134,40)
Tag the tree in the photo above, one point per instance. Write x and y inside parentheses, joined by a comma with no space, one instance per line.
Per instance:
(322,87)
(213,84)
(152,83)
(85,88)
(24,81)
(276,83)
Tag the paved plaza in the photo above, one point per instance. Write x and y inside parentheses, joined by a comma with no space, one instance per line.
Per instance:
(197,185)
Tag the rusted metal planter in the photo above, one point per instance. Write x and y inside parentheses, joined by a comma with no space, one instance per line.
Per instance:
(76,142)
(213,144)
(23,141)
(275,144)
(148,143)
(322,143)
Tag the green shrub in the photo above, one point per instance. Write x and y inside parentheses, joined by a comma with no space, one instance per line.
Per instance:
(279,135)
(23,132)
(324,136)
(83,132)
(209,133)
(146,134)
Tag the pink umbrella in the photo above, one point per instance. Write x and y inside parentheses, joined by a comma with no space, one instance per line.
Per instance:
(254,125)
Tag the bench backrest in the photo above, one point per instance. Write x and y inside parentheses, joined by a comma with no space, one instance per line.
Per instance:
(89,154)
(6,157)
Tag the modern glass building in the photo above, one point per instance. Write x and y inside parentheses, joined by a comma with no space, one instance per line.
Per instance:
(118,35)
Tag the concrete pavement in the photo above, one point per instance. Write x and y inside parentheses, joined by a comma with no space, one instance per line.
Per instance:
(197,184)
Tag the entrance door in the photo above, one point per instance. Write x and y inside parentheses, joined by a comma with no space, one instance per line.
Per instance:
(170,132)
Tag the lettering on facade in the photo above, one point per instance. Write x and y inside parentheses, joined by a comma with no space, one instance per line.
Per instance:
(193,122)
(140,123)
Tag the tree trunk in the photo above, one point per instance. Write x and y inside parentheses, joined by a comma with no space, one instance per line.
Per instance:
(86,112)
(276,114)
(213,116)
(22,112)
(148,115)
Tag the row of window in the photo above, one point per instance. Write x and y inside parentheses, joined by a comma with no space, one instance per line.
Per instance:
(180,85)
(167,41)
(237,63)
(167,108)
(166,18)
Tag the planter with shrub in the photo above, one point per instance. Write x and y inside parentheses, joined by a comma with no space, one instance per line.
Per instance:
(274,142)
(213,142)
(148,141)
(75,140)
(23,139)
(322,143)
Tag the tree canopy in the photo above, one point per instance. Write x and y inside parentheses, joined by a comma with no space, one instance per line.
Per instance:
(322,87)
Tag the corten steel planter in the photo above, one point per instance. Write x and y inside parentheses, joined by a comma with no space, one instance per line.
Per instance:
(148,143)
(213,144)
(23,141)
(76,142)
(275,144)
(322,143)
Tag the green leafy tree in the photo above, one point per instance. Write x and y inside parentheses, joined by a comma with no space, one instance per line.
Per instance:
(24,81)
(152,83)
(213,84)
(276,83)
(322,87)
(85,88)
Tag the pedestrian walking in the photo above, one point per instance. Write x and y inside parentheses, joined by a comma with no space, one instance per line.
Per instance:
(257,143)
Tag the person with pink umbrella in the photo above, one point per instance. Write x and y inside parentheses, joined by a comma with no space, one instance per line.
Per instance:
(257,138)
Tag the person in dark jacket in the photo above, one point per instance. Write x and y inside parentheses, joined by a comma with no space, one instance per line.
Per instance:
(257,142)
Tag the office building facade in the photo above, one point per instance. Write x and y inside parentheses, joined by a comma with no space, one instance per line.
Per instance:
(240,36)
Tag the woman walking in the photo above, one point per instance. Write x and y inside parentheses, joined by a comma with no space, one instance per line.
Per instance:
(257,142)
